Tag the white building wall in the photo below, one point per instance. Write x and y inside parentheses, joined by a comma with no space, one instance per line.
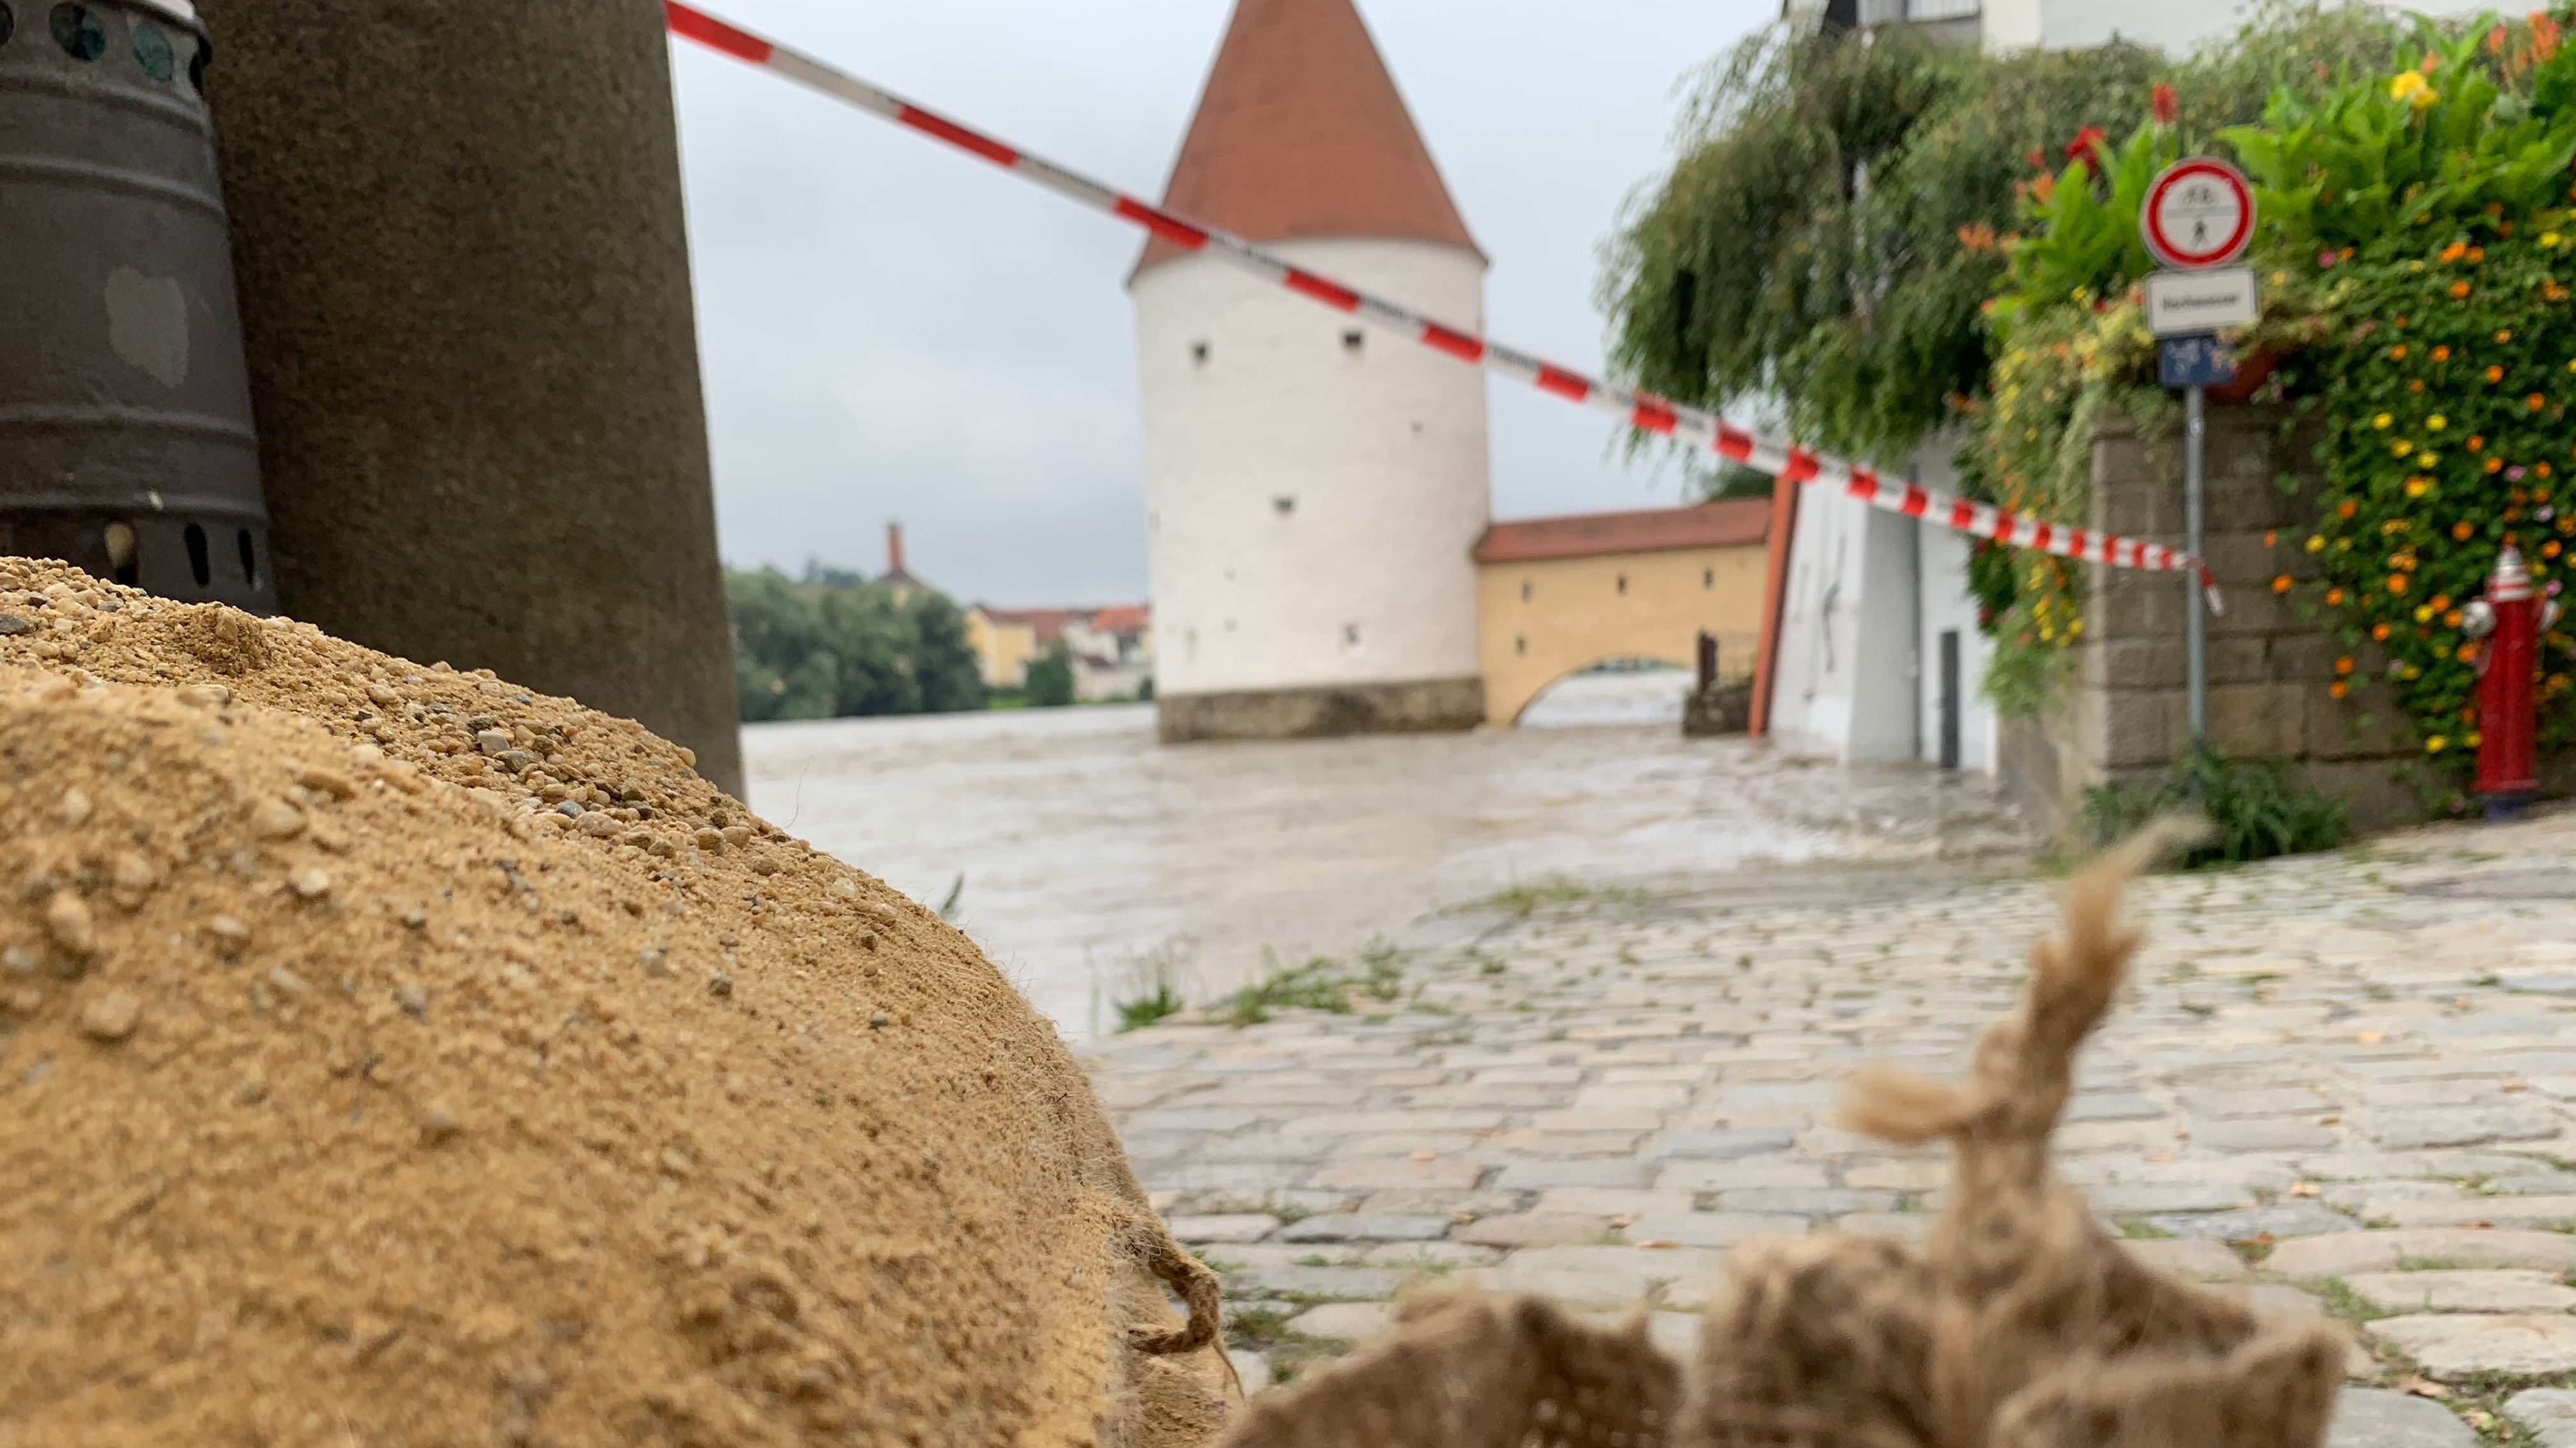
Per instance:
(1844,684)
(1378,450)
(2175,26)
(1870,594)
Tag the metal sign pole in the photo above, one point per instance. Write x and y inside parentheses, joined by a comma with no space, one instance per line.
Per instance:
(2196,637)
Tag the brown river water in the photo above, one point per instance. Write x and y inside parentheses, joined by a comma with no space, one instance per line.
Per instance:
(1085,848)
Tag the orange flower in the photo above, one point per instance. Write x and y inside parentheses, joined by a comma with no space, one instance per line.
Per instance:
(2477,253)
(2541,468)
(2441,354)
(2451,619)
(2398,352)
(2334,598)
(2397,583)
(2458,289)
(2271,536)
(2549,549)
(2414,384)
(2495,465)
(2505,335)
(2344,665)
(2466,652)
(2476,442)
(2281,584)
(2336,688)
(2461,531)
(2379,631)
(2455,251)
(2495,374)
(2346,508)
(2535,402)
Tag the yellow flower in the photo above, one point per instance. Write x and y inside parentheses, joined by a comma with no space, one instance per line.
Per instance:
(2401,447)
(2424,614)
(2436,744)
(2383,420)
(2415,487)
(2549,238)
(2316,544)
(2437,422)
(2412,88)
(2473,739)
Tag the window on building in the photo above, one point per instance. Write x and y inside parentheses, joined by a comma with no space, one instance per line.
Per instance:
(1353,340)
(1520,644)
(1708,578)
(1350,635)
(1623,583)
(1525,593)
(1284,505)
(1199,353)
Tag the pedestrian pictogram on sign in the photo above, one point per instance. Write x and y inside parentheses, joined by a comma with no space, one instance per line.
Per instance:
(2198,213)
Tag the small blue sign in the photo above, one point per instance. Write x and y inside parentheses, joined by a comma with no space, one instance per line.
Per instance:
(2200,360)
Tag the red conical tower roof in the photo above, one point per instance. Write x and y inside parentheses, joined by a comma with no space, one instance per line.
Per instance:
(1301,133)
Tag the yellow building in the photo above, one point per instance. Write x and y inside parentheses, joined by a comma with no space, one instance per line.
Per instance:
(1110,649)
(1558,595)
(1006,641)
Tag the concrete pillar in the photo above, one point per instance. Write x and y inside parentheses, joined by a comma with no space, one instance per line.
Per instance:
(465,290)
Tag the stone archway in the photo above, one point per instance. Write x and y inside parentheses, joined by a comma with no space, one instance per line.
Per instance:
(1555,596)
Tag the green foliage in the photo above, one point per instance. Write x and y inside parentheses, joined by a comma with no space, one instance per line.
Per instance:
(1049,684)
(835,645)
(1829,229)
(2441,140)
(1321,984)
(2256,811)
(2448,361)
(1839,210)
(2421,291)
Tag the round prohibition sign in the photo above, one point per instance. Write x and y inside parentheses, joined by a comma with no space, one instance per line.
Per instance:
(2198,213)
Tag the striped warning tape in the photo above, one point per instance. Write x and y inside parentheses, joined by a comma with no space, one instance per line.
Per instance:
(1638,409)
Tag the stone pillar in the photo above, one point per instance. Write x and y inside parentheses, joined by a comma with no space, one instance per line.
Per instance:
(465,290)
(2124,714)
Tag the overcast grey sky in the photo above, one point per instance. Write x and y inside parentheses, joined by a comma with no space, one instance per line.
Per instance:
(892,330)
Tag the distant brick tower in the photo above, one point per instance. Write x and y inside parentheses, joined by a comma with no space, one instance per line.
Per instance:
(1313,490)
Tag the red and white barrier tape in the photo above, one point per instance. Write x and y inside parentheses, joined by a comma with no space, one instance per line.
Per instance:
(1654,414)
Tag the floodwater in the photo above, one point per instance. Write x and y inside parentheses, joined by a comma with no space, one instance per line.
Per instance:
(1084,847)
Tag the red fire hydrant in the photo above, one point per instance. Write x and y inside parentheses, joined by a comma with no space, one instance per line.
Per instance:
(2510,620)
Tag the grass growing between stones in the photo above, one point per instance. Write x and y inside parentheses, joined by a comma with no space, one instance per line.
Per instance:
(1150,985)
(1522,901)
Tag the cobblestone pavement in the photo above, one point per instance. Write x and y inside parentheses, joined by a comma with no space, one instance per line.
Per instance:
(2342,1084)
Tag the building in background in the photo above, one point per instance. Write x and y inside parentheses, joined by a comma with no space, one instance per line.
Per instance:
(2174,26)
(1558,595)
(898,580)
(1110,650)
(1314,490)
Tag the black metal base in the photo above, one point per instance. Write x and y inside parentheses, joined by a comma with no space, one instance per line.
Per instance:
(194,560)
(2505,808)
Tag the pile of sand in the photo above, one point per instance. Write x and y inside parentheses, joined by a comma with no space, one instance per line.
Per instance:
(390,1056)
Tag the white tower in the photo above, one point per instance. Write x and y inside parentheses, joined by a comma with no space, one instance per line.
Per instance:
(1313,489)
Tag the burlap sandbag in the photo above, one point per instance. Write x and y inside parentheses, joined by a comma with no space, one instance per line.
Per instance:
(2018,1324)
(391,1057)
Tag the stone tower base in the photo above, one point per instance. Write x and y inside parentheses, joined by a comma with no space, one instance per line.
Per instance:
(1429,706)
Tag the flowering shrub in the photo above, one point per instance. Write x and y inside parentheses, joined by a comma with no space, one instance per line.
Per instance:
(2443,381)
(2420,280)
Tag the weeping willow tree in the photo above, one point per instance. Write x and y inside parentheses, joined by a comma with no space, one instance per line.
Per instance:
(1843,204)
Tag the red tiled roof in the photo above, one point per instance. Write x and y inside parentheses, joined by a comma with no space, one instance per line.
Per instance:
(1048,623)
(1302,133)
(1585,535)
